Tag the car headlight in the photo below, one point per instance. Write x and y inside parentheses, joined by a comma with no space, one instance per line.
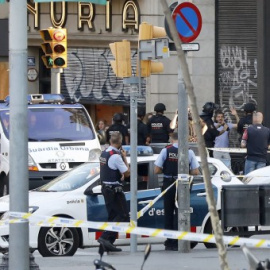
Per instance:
(94,154)
(32,166)
(225,176)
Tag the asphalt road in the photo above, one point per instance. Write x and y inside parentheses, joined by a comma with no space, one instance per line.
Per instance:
(159,259)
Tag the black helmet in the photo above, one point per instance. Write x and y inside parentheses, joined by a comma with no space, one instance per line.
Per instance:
(118,117)
(159,107)
(206,116)
(209,107)
(249,107)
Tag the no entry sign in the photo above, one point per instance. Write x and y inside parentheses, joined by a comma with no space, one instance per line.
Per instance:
(188,21)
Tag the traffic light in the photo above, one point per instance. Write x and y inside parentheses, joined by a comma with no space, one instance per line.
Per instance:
(54,47)
(146,32)
(122,64)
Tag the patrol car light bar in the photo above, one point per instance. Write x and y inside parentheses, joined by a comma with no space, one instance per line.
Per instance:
(141,150)
(39,98)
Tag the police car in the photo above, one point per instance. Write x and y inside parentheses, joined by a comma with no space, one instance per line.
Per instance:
(258,177)
(61,136)
(77,195)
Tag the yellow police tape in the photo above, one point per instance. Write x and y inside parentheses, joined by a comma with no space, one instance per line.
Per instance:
(34,220)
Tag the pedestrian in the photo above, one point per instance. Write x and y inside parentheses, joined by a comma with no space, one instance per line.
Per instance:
(256,139)
(147,117)
(113,169)
(167,163)
(159,125)
(222,141)
(101,132)
(191,132)
(246,120)
(209,130)
(118,127)
(143,139)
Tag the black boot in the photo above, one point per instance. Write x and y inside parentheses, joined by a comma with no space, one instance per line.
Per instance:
(108,246)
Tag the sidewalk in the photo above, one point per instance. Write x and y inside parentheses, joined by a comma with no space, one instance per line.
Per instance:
(159,259)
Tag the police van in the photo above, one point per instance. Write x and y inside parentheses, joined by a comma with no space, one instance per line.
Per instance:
(60,137)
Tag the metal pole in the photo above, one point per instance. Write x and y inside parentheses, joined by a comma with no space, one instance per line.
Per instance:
(56,80)
(19,233)
(133,163)
(183,162)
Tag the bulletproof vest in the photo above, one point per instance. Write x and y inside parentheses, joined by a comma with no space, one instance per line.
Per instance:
(106,173)
(159,132)
(170,166)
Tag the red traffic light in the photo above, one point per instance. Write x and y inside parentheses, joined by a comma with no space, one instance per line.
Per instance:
(59,35)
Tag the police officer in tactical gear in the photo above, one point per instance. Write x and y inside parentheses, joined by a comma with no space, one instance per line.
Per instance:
(113,169)
(159,125)
(246,121)
(167,163)
(211,132)
(118,127)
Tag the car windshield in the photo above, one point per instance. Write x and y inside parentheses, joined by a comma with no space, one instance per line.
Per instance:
(73,179)
(54,124)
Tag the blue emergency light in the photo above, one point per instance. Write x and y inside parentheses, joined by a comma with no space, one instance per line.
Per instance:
(142,150)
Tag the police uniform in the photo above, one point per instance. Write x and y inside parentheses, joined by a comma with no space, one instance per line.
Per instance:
(159,128)
(117,128)
(111,168)
(168,160)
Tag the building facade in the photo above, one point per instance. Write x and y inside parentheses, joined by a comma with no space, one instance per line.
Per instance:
(224,70)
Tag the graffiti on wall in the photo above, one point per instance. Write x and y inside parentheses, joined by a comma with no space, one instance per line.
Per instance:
(89,78)
(237,79)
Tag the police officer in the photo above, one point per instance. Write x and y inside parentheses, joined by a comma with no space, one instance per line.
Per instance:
(118,127)
(167,163)
(113,169)
(159,125)
(246,121)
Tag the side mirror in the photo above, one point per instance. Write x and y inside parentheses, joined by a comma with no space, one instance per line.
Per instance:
(93,191)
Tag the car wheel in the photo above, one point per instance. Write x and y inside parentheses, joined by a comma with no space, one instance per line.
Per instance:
(209,230)
(58,241)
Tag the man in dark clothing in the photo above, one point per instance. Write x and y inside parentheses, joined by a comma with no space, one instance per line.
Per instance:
(142,128)
(113,169)
(159,125)
(118,127)
(167,163)
(210,133)
(246,121)
(256,139)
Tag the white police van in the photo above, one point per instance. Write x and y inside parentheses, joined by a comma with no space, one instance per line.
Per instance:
(61,137)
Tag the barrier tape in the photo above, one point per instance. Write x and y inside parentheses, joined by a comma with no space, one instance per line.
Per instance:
(151,203)
(18,217)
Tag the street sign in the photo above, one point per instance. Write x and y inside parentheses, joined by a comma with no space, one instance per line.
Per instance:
(98,2)
(157,48)
(188,21)
(187,47)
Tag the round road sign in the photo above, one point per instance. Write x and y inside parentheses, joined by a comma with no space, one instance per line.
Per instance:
(188,21)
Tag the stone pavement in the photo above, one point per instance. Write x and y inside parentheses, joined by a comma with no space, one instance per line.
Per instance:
(159,259)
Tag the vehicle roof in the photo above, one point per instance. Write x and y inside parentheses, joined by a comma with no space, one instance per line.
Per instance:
(5,106)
